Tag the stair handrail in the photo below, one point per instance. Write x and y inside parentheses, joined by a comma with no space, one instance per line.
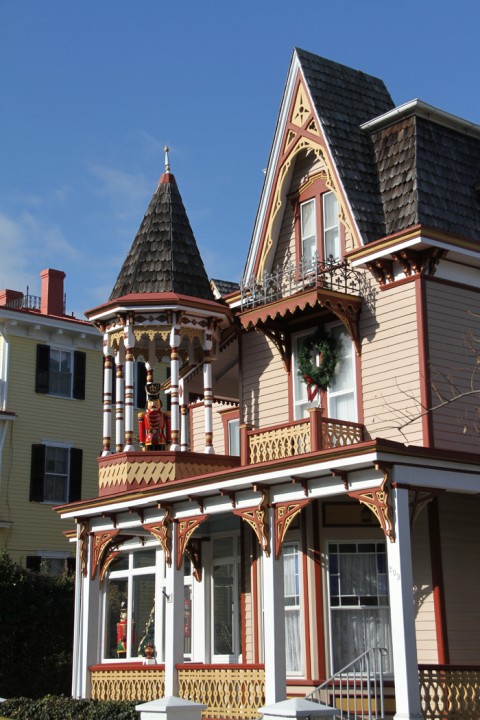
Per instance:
(372,671)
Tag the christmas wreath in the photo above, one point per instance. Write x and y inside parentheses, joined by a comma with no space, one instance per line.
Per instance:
(327,348)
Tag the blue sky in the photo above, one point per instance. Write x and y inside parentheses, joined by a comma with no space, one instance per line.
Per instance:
(92,90)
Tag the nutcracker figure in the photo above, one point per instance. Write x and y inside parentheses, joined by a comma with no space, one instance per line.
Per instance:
(152,424)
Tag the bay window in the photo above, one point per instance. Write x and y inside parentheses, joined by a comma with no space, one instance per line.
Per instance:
(293,593)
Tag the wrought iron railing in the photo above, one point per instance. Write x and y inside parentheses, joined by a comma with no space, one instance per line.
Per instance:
(357,690)
(29,302)
(450,692)
(291,279)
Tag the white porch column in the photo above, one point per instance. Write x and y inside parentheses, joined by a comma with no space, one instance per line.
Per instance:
(183,417)
(129,342)
(174,381)
(208,399)
(174,640)
(274,622)
(119,401)
(107,394)
(405,662)
(89,631)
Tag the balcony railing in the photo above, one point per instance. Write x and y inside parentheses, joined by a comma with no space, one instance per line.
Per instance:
(450,692)
(230,691)
(297,438)
(291,279)
(27,302)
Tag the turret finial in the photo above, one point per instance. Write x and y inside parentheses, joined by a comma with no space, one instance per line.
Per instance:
(167,161)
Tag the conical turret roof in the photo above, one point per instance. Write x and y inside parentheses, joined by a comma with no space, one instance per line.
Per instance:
(164,257)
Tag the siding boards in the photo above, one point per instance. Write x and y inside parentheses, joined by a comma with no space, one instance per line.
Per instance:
(390,365)
(459,515)
(265,382)
(452,323)
(42,419)
(423,592)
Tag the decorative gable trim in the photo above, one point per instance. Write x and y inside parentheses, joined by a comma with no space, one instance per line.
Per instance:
(298,129)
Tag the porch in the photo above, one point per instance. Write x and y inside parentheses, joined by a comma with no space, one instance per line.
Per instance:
(448,692)
(124,471)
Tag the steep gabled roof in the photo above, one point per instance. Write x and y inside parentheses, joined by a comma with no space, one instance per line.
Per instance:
(344,99)
(164,257)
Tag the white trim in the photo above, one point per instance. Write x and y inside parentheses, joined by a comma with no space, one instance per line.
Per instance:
(424,110)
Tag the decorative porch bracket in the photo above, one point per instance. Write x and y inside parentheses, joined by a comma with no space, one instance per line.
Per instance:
(418,498)
(379,501)
(101,541)
(162,531)
(257,518)
(185,527)
(284,514)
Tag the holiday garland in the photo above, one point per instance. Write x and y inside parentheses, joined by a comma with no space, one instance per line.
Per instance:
(327,347)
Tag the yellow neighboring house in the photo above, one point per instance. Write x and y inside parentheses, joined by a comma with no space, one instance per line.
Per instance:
(50,421)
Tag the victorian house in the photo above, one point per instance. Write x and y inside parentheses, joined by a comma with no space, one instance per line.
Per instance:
(50,386)
(318,495)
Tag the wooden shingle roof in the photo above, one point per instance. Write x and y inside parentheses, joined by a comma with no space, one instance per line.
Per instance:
(344,99)
(164,257)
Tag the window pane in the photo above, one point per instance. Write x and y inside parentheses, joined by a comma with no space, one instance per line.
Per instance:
(331,231)
(358,602)
(143,626)
(144,558)
(234,437)
(308,229)
(116,619)
(56,474)
(223,595)
(60,373)
(187,619)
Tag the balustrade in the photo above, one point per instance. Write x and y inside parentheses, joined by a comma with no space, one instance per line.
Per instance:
(450,692)
(297,438)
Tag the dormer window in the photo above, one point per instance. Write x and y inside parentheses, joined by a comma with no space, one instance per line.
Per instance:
(319,227)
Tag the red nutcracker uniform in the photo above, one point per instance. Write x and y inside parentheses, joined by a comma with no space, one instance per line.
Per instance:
(152,424)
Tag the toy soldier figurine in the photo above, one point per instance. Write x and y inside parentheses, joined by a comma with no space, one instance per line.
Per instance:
(152,424)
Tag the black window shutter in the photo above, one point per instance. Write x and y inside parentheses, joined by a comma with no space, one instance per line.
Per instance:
(75,493)
(33,562)
(70,565)
(79,369)
(140,385)
(37,473)
(43,367)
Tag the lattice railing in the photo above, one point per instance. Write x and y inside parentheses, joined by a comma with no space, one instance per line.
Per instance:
(280,442)
(450,692)
(299,437)
(141,684)
(336,433)
(231,692)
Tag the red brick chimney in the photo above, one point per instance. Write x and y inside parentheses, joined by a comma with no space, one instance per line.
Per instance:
(52,292)
(10,296)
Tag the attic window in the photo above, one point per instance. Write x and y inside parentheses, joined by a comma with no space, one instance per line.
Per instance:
(319,217)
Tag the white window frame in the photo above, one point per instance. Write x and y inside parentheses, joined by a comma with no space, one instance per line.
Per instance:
(234,436)
(330,229)
(331,328)
(309,251)
(67,351)
(128,574)
(301,403)
(347,608)
(234,560)
(295,542)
